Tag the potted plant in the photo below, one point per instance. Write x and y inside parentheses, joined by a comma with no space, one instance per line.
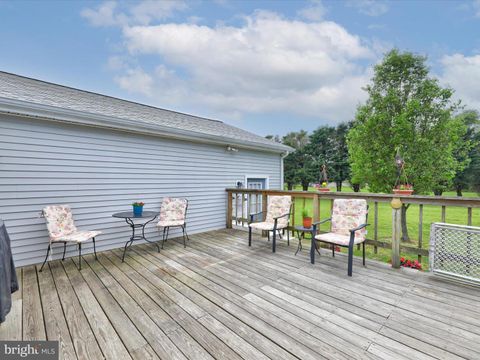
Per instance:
(402,186)
(323,186)
(138,208)
(307,219)
(403,189)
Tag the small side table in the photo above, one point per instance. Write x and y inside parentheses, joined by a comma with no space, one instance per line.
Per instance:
(130,219)
(301,235)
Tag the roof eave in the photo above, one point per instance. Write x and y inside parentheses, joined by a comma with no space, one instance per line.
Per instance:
(51,113)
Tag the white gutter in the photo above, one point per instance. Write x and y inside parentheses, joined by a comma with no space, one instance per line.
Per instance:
(51,113)
(282,156)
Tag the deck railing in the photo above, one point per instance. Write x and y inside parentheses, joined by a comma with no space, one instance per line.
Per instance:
(242,202)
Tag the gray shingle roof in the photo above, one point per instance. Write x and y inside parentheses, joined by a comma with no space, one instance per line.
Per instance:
(39,92)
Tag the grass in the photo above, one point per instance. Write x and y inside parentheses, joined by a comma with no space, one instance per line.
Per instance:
(454,215)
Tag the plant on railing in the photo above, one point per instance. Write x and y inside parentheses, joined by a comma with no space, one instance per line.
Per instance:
(402,186)
(323,186)
(413,264)
(307,219)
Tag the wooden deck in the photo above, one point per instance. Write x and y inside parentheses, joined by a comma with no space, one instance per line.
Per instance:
(220,299)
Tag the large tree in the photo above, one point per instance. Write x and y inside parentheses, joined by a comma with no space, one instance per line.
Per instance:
(328,146)
(468,153)
(408,110)
(298,164)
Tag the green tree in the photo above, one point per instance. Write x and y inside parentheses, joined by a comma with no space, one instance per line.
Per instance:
(328,146)
(409,110)
(298,164)
(275,138)
(468,153)
(339,162)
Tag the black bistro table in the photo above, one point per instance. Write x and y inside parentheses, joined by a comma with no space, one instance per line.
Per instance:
(301,235)
(142,221)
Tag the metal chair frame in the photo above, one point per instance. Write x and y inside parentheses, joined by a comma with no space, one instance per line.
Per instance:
(65,248)
(274,231)
(349,246)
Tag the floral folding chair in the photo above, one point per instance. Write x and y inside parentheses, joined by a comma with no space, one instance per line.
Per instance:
(277,218)
(349,222)
(62,229)
(173,213)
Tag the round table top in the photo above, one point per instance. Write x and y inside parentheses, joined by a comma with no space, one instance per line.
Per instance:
(301,228)
(131,215)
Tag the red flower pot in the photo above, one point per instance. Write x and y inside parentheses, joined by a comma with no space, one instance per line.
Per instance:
(307,222)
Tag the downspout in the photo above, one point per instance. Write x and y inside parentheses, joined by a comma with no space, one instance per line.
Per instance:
(283,156)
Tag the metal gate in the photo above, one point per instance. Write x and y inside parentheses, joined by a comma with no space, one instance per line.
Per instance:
(455,251)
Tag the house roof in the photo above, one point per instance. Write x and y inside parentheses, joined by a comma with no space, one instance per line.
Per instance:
(30,97)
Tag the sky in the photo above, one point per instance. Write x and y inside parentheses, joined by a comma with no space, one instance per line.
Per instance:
(269,67)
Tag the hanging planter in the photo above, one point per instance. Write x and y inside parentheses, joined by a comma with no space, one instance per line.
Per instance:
(402,186)
(406,189)
(323,186)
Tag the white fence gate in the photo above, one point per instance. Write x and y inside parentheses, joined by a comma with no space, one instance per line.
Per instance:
(455,251)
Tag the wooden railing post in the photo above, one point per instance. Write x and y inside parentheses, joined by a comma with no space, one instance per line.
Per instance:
(315,204)
(229,209)
(264,205)
(264,210)
(396,204)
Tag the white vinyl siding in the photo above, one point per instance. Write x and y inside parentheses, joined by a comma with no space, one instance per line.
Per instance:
(100,171)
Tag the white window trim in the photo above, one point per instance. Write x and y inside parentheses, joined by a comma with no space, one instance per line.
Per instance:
(266,177)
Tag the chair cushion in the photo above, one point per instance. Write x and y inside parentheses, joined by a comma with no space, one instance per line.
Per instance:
(59,221)
(339,239)
(173,210)
(277,206)
(165,223)
(348,214)
(266,225)
(78,236)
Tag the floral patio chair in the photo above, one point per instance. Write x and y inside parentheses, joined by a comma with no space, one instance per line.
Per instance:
(173,213)
(277,218)
(348,228)
(62,229)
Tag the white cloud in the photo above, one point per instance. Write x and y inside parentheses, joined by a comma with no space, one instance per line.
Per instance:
(116,63)
(476,8)
(270,64)
(111,13)
(462,73)
(314,12)
(104,15)
(369,7)
(136,81)
(150,10)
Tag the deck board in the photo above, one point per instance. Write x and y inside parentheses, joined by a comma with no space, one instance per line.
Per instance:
(220,299)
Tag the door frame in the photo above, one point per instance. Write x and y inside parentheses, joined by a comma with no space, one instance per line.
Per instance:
(265,177)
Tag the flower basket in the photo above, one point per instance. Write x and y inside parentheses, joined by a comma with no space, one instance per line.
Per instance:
(307,222)
(402,186)
(323,189)
(138,208)
(403,191)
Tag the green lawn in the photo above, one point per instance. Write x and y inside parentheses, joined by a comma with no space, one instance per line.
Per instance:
(454,215)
